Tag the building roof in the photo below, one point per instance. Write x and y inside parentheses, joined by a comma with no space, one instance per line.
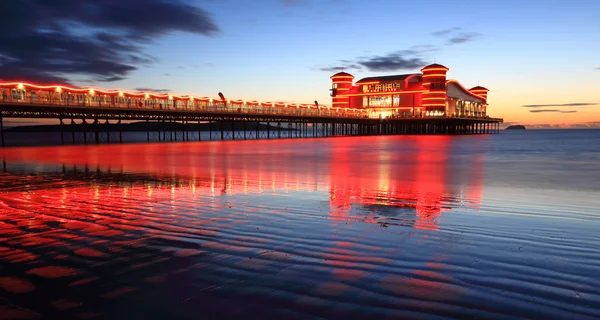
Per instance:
(342,74)
(435,66)
(387,78)
(479,88)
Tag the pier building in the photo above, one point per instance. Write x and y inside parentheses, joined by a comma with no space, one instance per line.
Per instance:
(414,95)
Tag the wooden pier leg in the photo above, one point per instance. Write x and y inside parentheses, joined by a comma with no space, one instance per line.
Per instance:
(279,130)
(160,124)
(222,132)
(171,129)
(233,129)
(199,131)
(187,132)
(107,131)
(148,130)
(120,131)
(244,123)
(268,130)
(257,130)
(62,131)
(73,130)
(97,130)
(84,126)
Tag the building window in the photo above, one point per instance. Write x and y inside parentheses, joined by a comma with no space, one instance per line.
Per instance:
(380,101)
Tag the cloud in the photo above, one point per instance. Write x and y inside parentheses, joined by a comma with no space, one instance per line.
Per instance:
(455,35)
(408,59)
(53,41)
(553,110)
(401,60)
(445,32)
(598,68)
(152,90)
(341,68)
(463,38)
(574,104)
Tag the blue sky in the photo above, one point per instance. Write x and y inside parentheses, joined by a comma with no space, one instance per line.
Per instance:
(527,52)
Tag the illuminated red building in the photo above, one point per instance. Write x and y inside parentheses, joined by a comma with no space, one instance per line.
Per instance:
(426,94)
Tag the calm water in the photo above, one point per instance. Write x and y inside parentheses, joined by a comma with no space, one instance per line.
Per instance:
(427,227)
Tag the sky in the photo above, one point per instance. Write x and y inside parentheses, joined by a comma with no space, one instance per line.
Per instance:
(539,59)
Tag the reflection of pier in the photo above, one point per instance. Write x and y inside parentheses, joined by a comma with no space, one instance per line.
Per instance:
(417,186)
(410,188)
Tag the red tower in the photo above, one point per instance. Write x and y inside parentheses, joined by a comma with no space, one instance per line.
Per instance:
(341,84)
(434,81)
(480,91)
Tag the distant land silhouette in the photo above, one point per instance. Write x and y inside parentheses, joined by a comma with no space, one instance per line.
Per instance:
(516,127)
(145,127)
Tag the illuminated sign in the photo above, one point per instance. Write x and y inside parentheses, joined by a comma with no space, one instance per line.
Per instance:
(382,87)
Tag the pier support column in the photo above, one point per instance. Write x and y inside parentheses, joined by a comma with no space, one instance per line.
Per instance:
(222,131)
(107,131)
(120,131)
(97,130)
(73,130)
(233,129)
(62,131)
(199,131)
(84,127)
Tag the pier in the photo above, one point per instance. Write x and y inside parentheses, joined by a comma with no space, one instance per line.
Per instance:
(93,116)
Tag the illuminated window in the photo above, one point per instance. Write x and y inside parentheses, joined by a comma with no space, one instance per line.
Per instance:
(380,101)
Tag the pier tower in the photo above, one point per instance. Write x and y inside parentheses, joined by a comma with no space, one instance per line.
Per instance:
(480,91)
(434,83)
(341,85)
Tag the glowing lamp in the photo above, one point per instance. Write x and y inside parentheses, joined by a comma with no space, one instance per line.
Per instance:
(20,86)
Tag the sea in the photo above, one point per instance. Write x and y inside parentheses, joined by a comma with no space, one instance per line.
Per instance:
(503,226)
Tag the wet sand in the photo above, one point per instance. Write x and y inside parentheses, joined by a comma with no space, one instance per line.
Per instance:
(388,227)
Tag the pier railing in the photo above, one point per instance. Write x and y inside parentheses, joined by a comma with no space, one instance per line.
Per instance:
(197,106)
(219,107)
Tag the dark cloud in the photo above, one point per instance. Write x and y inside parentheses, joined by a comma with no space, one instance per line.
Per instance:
(574,104)
(52,41)
(463,38)
(455,35)
(341,68)
(152,90)
(445,32)
(401,60)
(408,59)
(598,68)
(553,110)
